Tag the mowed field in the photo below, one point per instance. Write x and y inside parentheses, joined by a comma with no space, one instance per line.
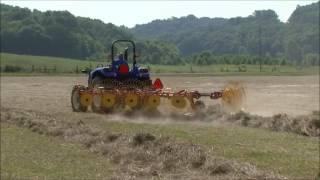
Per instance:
(37,108)
(266,95)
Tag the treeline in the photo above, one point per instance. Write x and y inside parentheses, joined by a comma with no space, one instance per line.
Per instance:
(261,37)
(157,52)
(260,34)
(61,34)
(55,33)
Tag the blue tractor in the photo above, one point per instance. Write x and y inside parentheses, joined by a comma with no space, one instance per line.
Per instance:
(118,74)
(118,87)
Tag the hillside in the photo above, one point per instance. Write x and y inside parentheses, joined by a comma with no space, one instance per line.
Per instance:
(302,32)
(55,33)
(258,38)
(240,35)
(61,34)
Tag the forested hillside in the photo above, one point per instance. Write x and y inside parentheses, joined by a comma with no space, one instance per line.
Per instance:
(302,33)
(260,37)
(61,34)
(262,33)
(220,36)
(54,33)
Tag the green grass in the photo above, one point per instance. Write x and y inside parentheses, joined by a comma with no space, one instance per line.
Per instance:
(27,154)
(63,65)
(216,69)
(285,153)
(67,66)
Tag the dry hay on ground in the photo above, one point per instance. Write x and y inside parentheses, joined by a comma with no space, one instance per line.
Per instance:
(139,156)
(307,125)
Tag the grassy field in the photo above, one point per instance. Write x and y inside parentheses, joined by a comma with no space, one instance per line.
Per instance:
(222,69)
(284,153)
(62,65)
(53,65)
(26,154)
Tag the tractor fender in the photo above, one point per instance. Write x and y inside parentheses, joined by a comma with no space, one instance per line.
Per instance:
(101,72)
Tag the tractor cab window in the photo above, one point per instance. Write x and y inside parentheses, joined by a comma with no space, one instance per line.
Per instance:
(123,53)
(121,65)
(126,54)
(120,57)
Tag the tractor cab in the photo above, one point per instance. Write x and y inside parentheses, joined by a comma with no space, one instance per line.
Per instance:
(119,68)
(120,65)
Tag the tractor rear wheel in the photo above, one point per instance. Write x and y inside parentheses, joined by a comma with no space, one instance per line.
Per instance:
(96,82)
(75,99)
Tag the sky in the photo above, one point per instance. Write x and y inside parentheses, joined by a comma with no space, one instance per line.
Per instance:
(130,13)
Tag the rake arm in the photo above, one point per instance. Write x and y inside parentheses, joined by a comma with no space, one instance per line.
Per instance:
(213,95)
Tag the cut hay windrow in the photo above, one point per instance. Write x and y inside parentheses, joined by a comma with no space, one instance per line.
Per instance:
(306,125)
(141,155)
